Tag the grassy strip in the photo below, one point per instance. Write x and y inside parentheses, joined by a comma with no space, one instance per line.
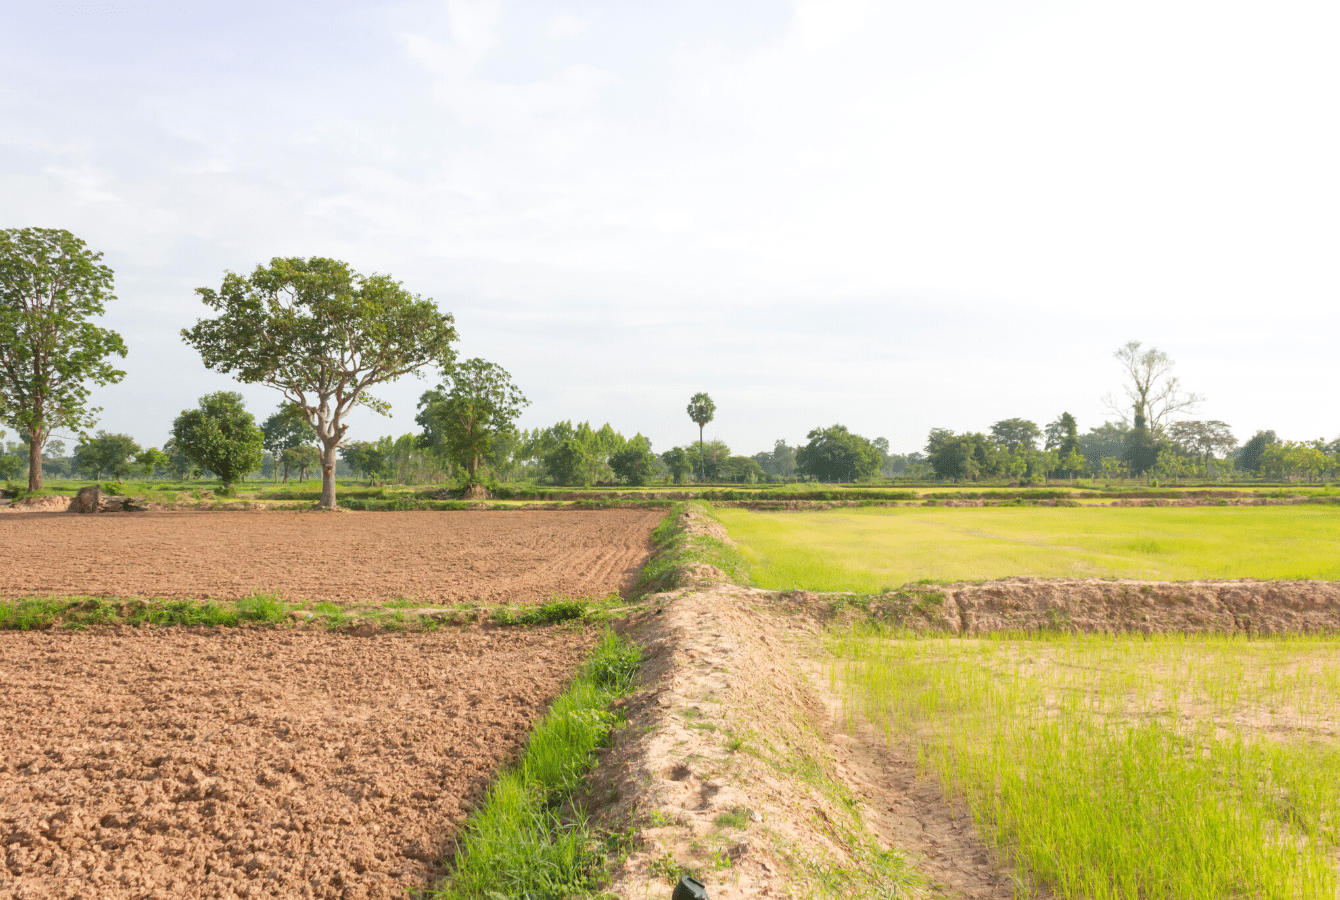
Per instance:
(77,613)
(1195,767)
(675,550)
(526,840)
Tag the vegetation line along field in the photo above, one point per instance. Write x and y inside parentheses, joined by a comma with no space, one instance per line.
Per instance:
(1190,767)
(527,840)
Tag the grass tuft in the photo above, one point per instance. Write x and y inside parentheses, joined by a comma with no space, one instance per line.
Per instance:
(525,841)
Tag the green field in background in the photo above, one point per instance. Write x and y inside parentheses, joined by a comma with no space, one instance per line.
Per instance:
(868,550)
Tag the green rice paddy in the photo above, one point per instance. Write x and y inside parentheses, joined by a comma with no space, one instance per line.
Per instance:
(1189,767)
(870,549)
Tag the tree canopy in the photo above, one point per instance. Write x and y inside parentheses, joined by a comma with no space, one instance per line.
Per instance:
(107,454)
(322,335)
(51,285)
(481,406)
(221,436)
(835,454)
(701,409)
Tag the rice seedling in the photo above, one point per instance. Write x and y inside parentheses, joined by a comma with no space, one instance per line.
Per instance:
(869,550)
(1197,767)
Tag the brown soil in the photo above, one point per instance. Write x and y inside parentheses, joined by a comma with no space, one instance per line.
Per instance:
(438,557)
(155,763)
(1244,607)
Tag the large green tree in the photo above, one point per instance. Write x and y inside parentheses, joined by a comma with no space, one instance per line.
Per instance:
(701,410)
(323,335)
(835,454)
(221,436)
(1016,434)
(51,285)
(107,454)
(469,418)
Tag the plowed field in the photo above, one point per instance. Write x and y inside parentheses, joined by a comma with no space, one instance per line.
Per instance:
(165,763)
(436,557)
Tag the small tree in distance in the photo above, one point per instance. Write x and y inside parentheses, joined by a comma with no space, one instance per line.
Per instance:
(221,436)
(701,409)
(322,334)
(477,412)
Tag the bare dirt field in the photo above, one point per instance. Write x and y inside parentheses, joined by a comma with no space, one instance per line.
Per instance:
(155,763)
(522,556)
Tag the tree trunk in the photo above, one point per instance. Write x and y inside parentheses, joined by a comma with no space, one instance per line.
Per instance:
(35,442)
(702,461)
(328,474)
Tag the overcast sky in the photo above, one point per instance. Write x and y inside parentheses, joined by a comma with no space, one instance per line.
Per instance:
(894,216)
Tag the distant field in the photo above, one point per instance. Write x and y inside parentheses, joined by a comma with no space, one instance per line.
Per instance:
(871,549)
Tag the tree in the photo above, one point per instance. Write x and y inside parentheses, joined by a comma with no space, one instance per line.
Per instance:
(569,462)
(1152,392)
(1015,433)
(10,466)
(481,407)
(368,459)
(303,458)
(151,460)
(677,461)
(635,463)
(1253,452)
(50,286)
(286,429)
(955,458)
(708,458)
(107,454)
(1141,452)
(835,454)
(1203,438)
(221,436)
(701,409)
(322,335)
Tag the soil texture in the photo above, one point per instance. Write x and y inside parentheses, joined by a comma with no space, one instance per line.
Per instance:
(156,763)
(1244,607)
(520,556)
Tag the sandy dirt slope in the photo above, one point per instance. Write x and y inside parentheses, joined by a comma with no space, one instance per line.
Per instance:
(521,556)
(157,763)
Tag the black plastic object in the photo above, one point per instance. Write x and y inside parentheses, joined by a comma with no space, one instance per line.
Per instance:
(689,889)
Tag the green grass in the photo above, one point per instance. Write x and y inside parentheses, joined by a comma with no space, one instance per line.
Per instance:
(526,840)
(869,550)
(674,550)
(1189,767)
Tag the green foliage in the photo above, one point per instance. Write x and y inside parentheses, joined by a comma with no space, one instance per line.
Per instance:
(10,466)
(516,844)
(1252,455)
(323,335)
(569,463)
(678,462)
(635,464)
(287,432)
(221,436)
(675,551)
(1015,434)
(466,421)
(108,454)
(835,454)
(701,409)
(51,286)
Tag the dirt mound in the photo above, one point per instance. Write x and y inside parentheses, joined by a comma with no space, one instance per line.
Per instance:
(1246,607)
(255,763)
(38,504)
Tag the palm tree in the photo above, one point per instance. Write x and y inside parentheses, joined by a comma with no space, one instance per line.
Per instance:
(701,408)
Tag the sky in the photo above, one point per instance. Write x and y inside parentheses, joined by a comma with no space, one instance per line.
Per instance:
(894,216)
